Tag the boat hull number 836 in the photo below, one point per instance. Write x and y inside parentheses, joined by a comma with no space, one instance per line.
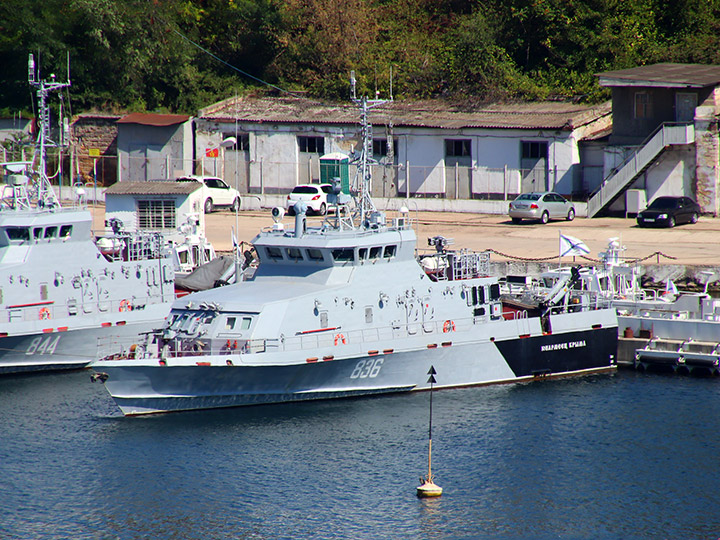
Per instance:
(368,368)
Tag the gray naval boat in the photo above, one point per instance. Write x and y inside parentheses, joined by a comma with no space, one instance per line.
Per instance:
(350,309)
(62,291)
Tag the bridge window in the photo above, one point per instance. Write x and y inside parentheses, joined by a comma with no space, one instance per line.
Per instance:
(314,254)
(18,233)
(66,231)
(51,232)
(343,255)
(375,252)
(390,251)
(294,254)
(274,253)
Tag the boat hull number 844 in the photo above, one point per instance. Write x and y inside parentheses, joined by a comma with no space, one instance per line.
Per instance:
(368,368)
(43,345)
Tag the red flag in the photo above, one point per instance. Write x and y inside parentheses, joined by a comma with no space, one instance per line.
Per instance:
(212,152)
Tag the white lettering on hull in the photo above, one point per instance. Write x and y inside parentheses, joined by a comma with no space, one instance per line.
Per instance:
(563,346)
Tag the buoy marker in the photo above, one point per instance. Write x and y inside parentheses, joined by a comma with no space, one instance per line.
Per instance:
(428,488)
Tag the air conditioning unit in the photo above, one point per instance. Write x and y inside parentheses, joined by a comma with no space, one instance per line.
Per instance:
(635,202)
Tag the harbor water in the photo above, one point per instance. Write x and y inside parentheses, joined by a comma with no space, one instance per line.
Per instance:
(624,455)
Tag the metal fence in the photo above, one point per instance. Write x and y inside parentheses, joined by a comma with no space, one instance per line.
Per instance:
(405,180)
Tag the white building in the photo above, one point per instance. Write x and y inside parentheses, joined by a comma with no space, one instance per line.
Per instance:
(442,155)
(155,206)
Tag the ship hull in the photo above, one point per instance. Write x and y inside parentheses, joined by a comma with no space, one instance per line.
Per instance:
(62,347)
(460,359)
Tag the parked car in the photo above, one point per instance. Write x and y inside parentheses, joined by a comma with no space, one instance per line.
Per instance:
(216,193)
(669,211)
(314,195)
(542,206)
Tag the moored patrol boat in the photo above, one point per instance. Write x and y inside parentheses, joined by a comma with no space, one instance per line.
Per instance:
(349,309)
(60,289)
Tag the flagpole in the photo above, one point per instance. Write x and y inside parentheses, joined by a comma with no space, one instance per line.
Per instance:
(559,247)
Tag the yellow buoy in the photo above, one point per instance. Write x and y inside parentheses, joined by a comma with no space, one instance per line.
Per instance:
(428,487)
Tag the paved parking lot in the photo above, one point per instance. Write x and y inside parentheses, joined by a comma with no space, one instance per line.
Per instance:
(697,244)
(694,245)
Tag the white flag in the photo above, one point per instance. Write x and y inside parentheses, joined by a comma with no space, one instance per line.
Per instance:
(670,287)
(572,246)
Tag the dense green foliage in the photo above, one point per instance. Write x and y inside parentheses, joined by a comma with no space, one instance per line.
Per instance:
(180,55)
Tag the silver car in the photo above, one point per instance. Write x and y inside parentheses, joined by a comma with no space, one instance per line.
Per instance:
(542,206)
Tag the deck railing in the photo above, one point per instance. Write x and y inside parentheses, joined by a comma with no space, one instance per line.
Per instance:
(332,339)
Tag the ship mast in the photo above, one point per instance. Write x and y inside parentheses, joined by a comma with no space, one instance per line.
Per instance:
(45,194)
(363,178)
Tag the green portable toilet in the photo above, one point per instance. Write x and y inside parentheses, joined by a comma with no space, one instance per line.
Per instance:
(335,165)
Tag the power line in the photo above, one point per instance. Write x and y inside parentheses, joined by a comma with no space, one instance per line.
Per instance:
(203,49)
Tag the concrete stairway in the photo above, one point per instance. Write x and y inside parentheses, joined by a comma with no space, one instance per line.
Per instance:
(667,134)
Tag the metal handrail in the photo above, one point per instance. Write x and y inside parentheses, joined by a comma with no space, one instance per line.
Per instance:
(663,135)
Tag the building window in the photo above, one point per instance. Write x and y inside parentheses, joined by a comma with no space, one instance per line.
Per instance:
(242,141)
(534,150)
(380,150)
(312,145)
(156,214)
(380,147)
(457,148)
(643,105)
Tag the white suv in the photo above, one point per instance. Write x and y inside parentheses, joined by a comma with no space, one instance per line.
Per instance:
(314,195)
(216,193)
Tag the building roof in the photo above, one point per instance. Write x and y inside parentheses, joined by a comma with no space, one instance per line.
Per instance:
(153,187)
(103,115)
(430,114)
(151,119)
(665,75)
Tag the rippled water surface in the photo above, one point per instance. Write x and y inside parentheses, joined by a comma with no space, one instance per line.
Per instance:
(613,456)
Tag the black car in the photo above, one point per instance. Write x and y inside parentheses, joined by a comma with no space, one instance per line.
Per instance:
(669,211)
